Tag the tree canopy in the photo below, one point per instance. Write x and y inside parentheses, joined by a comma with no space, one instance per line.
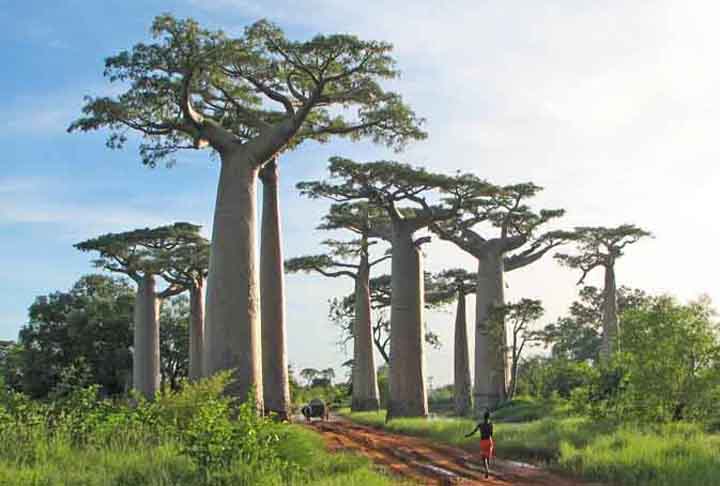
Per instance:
(193,87)
(177,252)
(600,246)
(499,217)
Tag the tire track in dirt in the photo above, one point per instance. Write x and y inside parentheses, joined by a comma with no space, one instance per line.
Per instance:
(427,463)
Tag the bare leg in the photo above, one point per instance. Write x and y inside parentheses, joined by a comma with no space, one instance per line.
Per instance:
(486,463)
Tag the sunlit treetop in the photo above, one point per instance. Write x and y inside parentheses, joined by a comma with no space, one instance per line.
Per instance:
(149,251)
(193,86)
(401,190)
(344,258)
(444,286)
(599,246)
(498,218)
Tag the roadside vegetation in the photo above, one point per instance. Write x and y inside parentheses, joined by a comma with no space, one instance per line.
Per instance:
(191,436)
(646,417)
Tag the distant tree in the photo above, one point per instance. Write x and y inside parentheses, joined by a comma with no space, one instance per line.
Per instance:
(328,374)
(248,98)
(401,191)
(460,282)
(309,374)
(671,352)
(79,337)
(175,317)
(577,336)
(520,315)
(142,255)
(352,259)
(503,233)
(185,260)
(601,247)
(341,313)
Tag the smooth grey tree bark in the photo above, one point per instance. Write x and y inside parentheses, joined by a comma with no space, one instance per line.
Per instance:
(197,329)
(276,388)
(146,338)
(462,384)
(610,328)
(232,325)
(491,364)
(408,396)
(365,394)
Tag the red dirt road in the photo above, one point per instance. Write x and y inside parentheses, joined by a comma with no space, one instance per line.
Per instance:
(427,463)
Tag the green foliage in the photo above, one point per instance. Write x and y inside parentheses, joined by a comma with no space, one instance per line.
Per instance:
(76,338)
(544,378)
(577,337)
(177,252)
(174,340)
(600,246)
(671,353)
(192,436)
(193,86)
(83,337)
(660,455)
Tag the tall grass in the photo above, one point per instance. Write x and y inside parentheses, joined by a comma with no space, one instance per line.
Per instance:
(192,437)
(661,455)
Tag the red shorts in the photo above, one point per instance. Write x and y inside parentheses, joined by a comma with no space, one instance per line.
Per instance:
(487,448)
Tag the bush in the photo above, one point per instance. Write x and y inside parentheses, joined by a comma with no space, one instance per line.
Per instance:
(192,436)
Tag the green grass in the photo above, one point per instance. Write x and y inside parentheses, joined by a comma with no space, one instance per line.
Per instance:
(663,455)
(165,465)
(192,437)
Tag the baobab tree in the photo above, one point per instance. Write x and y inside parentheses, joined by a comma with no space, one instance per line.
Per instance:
(194,88)
(459,282)
(601,247)
(141,255)
(342,313)
(276,386)
(386,185)
(496,222)
(352,259)
(520,315)
(186,266)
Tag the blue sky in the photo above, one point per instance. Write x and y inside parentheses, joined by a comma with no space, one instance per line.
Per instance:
(611,106)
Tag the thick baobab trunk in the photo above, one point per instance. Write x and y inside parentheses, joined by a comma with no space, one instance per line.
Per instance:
(146,340)
(462,385)
(197,329)
(609,315)
(408,397)
(365,395)
(276,388)
(232,322)
(491,374)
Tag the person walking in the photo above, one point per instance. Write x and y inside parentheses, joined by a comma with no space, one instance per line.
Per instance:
(487,445)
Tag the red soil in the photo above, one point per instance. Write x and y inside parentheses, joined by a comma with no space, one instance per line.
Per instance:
(424,462)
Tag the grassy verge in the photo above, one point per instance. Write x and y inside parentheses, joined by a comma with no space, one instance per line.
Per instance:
(194,436)
(669,455)
(164,464)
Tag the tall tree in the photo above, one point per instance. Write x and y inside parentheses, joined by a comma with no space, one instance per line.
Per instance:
(601,247)
(140,254)
(275,387)
(387,185)
(342,313)
(461,283)
(186,266)
(577,336)
(521,315)
(352,259)
(496,223)
(194,87)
